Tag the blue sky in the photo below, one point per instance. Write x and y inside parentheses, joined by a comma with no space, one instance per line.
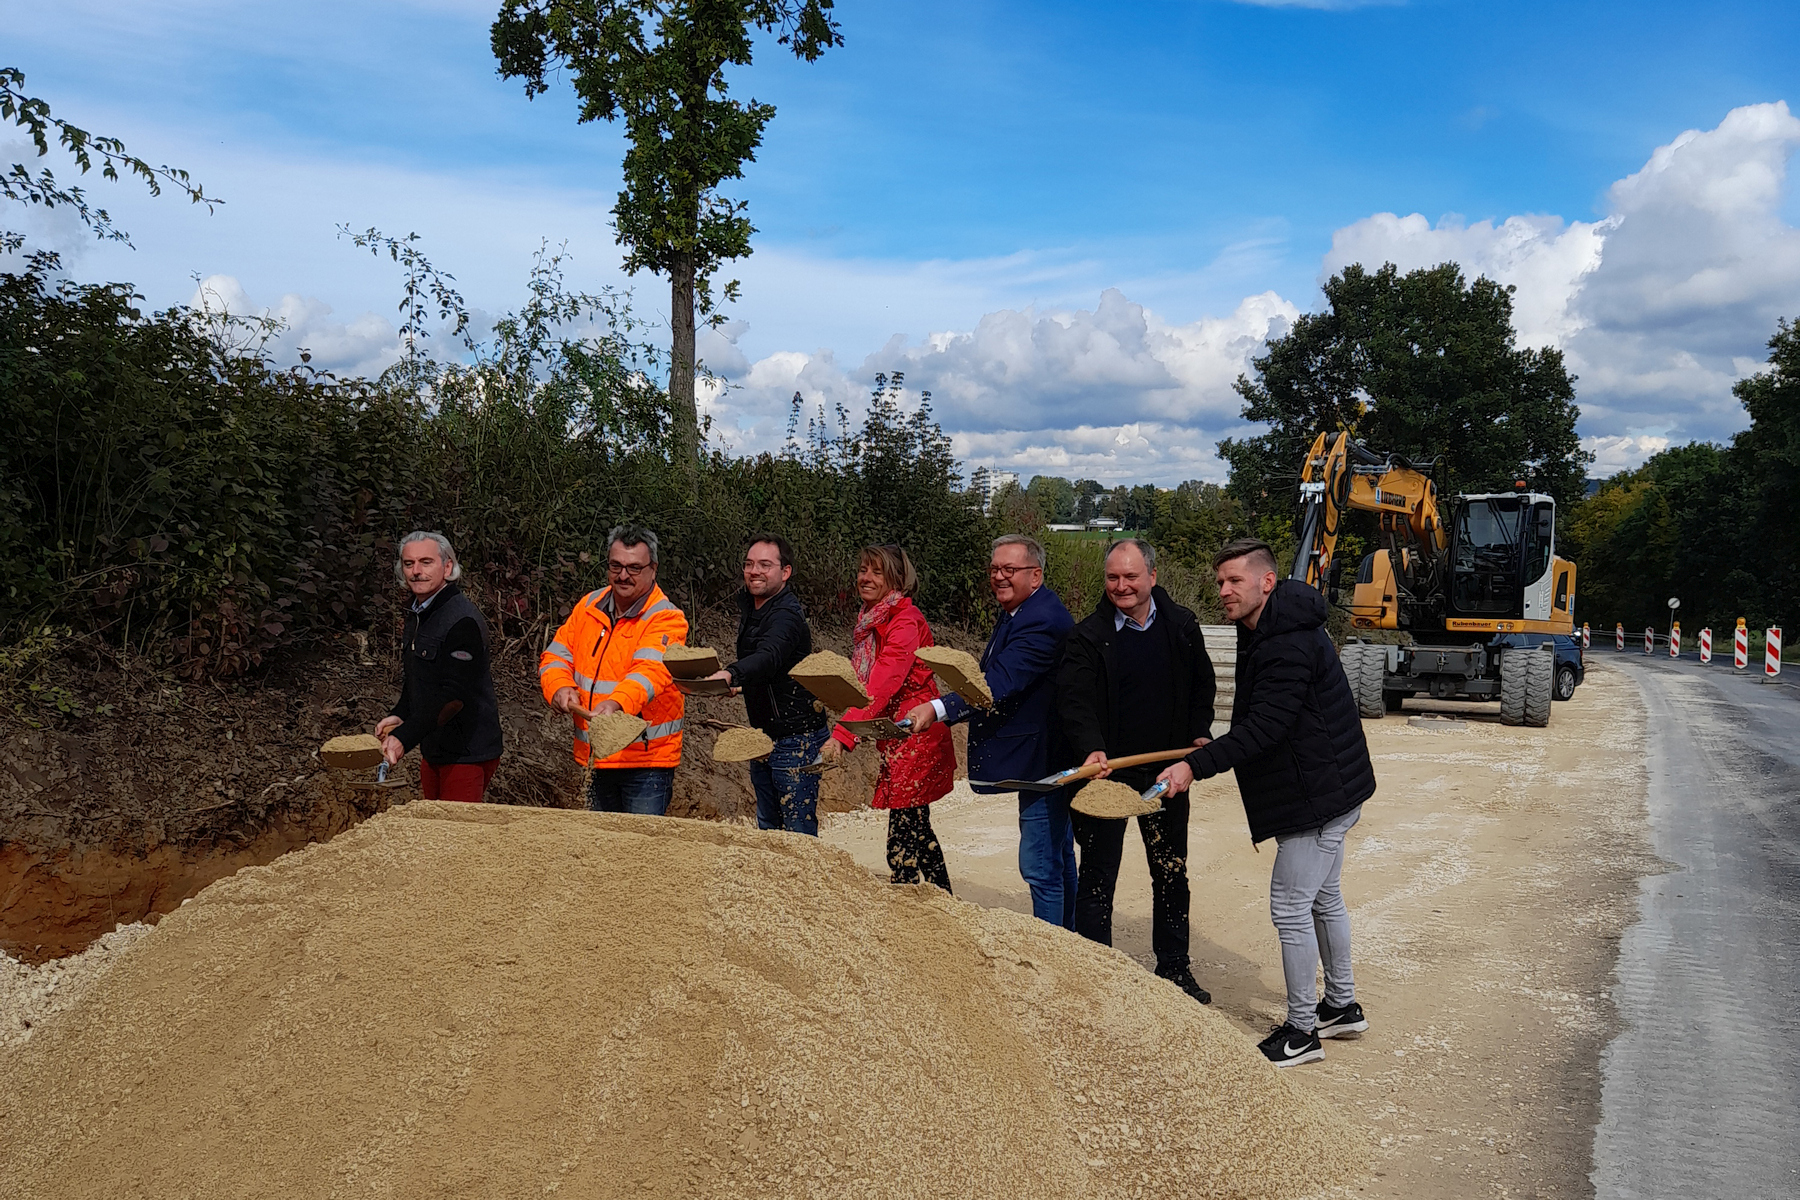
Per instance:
(1074,221)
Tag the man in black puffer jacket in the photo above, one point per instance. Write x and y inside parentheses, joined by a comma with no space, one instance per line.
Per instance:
(1303,769)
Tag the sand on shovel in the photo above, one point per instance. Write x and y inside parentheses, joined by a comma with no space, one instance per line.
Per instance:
(1109,798)
(351,752)
(485,1001)
(742,744)
(960,671)
(611,732)
(691,662)
(831,678)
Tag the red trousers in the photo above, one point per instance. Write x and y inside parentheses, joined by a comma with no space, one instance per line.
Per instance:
(458,781)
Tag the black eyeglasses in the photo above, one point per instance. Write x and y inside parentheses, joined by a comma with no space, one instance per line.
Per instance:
(1009,572)
(627,570)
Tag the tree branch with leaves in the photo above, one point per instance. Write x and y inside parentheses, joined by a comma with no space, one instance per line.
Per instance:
(19,184)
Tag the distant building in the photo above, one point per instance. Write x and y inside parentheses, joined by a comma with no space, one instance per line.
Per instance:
(1104,523)
(987,482)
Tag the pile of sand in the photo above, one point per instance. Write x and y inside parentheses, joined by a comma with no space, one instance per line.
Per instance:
(1110,798)
(829,676)
(351,751)
(611,732)
(464,1000)
(742,744)
(691,662)
(960,672)
(31,995)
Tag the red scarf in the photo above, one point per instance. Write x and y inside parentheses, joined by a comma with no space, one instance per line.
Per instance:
(873,616)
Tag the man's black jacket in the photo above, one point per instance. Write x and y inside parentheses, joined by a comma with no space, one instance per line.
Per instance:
(1087,680)
(1296,740)
(447,706)
(770,640)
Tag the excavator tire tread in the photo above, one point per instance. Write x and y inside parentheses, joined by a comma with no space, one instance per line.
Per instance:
(1512,687)
(1540,685)
(1364,666)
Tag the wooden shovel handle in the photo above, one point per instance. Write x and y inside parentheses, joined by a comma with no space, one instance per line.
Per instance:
(1131,760)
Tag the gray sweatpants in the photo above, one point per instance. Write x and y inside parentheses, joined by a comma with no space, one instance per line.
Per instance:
(1310,916)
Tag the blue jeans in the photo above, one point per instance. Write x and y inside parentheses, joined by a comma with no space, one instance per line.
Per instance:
(785,798)
(1047,855)
(643,790)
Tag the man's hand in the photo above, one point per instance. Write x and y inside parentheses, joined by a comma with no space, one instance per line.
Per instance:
(566,698)
(923,717)
(607,706)
(1199,742)
(1098,756)
(1180,777)
(832,750)
(386,726)
(392,750)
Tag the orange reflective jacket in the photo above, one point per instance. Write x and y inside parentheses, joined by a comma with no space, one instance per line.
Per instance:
(619,656)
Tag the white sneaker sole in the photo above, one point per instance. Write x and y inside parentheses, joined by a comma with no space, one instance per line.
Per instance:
(1346,1029)
(1310,1056)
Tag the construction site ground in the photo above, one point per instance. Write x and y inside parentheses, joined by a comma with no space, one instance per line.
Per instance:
(1489,882)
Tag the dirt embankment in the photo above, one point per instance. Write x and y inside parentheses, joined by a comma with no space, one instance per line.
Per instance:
(474,1001)
(149,789)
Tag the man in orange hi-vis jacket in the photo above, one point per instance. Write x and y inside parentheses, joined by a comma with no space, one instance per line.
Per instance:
(608,657)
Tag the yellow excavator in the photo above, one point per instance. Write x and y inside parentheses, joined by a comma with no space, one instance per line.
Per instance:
(1455,586)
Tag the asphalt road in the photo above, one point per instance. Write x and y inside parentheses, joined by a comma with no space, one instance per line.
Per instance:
(1700,1093)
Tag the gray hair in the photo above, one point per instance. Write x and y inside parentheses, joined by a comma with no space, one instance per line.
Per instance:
(1144,548)
(632,535)
(1034,549)
(426,535)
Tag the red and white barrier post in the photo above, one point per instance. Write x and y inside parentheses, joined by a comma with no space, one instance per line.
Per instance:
(1587,638)
(1619,633)
(1649,640)
(1772,651)
(1706,645)
(1740,646)
(1675,639)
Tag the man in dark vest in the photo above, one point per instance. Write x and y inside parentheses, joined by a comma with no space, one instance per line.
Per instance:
(1135,677)
(447,708)
(1303,769)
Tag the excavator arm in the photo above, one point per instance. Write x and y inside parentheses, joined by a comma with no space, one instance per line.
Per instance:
(1341,475)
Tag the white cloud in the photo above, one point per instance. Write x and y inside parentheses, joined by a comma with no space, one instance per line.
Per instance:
(1622,452)
(365,345)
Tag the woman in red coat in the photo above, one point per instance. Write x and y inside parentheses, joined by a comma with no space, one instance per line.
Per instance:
(914,770)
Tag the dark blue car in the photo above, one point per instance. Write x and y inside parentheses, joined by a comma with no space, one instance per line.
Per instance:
(1571,668)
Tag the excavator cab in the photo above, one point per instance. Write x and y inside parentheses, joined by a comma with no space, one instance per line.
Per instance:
(1503,564)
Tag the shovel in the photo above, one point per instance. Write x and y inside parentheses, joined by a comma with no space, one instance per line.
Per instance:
(1051,782)
(880,728)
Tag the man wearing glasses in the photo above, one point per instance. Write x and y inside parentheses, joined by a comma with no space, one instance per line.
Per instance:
(1013,739)
(608,657)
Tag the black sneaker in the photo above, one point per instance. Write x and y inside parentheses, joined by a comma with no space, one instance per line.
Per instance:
(1183,978)
(1341,1022)
(1289,1047)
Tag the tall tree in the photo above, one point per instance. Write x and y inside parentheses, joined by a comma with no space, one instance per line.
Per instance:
(660,64)
(1423,364)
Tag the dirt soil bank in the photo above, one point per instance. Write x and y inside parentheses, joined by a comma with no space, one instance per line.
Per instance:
(149,788)
(1489,882)
(459,1000)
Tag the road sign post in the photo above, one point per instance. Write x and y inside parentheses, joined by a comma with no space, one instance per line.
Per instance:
(1675,639)
(1649,640)
(1706,645)
(1772,651)
(1740,646)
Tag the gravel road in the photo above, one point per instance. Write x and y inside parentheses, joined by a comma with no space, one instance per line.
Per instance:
(1701,1089)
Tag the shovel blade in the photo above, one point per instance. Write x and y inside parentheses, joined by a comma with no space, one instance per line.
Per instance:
(1021,785)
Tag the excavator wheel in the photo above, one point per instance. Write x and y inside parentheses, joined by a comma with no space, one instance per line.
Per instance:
(1364,666)
(1512,686)
(1540,684)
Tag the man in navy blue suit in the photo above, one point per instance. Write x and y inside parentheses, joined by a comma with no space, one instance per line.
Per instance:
(1014,738)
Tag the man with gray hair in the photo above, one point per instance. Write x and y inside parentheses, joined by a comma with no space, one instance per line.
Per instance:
(447,707)
(1015,736)
(1135,678)
(608,657)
